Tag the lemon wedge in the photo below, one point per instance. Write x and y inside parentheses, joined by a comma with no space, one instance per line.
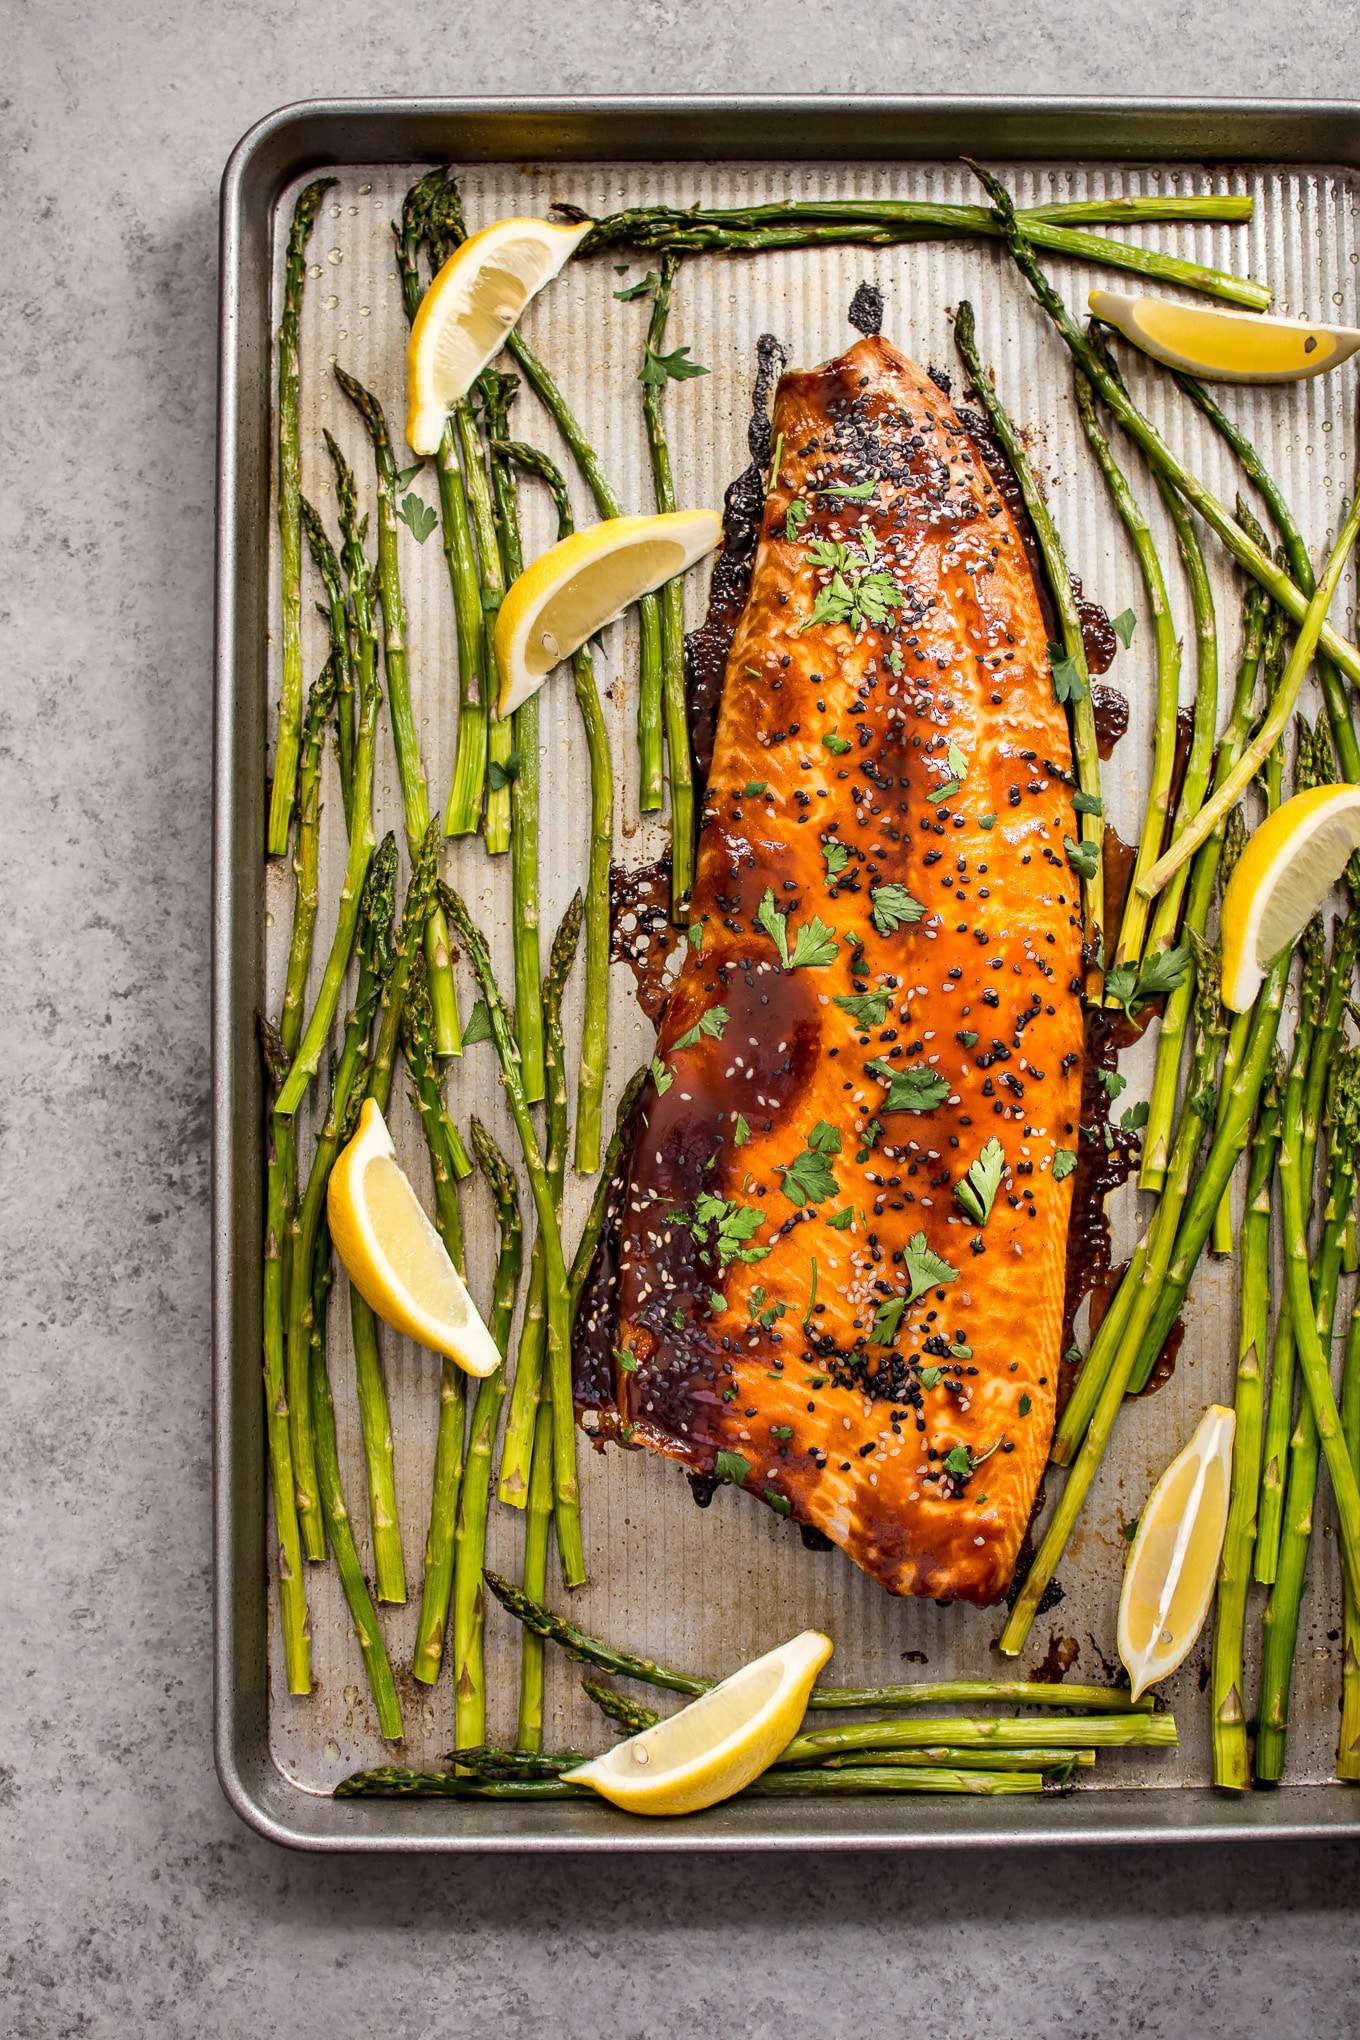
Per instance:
(1285,872)
(393,1255)
(1244,347)
(1173,1563)
(469,308)
(719,1743)
(584,582)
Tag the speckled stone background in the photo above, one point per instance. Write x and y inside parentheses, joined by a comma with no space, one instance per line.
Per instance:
(133,1901)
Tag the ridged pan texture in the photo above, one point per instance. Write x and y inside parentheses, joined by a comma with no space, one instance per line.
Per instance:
(835,1274)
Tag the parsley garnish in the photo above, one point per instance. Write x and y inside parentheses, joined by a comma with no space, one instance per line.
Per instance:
(1132,987)
(417,517)
(730,1225)
(837,857)
(795,517)
(966,1038)
(741,1132)
(866,1009)
(731,1466)
(809,1177)
(1064,1161)
(1068,684)
(1025,1405)
(1088,803)
(644,287)
(710,1023)
(871,1134)
(837,745)
(856,492)
(925,1269)
(839,1220)
(477,1026)
(857,591)
(661,1076)
(894,907)
(779,1503)
(1123,627)
(915,1089)
(755,787)
(887,1319)
(812,1294)
(760,1312)
(813,943)
(930,1375)
(960,1462)
(408,474)
(1111,1082)
(656,368)
(695,932)
(500,774)
(1084,858)
(976,1193)
(628,1362)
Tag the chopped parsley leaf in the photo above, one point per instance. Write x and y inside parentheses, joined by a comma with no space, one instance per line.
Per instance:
(894,907)
(710,1023)
(914,1089)
(731,1466)
(1064,1161)
(837,745)
(866,1009)
(976,1192)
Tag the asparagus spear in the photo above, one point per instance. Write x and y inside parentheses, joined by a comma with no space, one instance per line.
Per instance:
(415,797)
(1240,544)
(1053,1763)
(1228,1682)
(595,1021)
(297,1635)
(316,1033)
(373,943)
(609,504)
(392,1781)
(1090,822)
(622,1664)
(421,209)
(534,1577)
(1300,566)
(880,224)
(566,1489)
(628,1714)
(1129,949)
(613,1156)
(375,1421)
(339,1529)
(342,650)
(1280,1410)
(1198,898)
(1348,1746)
(672,690)
(320,702)
(1229,1138)
(1204,718)
(1280,1626)
(284,788)
(520,1429)
(1274,723)
(417,1034)
(469,1614)
(914,1731)
(521,735)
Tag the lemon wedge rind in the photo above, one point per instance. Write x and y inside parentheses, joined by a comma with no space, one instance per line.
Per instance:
(1226,346)
(1287,868)
(1172,1568)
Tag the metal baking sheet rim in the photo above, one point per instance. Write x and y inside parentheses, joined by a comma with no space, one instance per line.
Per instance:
(280,146)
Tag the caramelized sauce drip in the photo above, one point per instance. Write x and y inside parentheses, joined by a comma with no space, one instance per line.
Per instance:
(640,931)
(1111,713)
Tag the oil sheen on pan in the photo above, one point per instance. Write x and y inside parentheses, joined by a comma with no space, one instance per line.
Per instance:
(836,1268)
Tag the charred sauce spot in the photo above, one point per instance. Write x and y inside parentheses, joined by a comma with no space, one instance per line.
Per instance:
(1061,1655)
(1111,712)
(640,931)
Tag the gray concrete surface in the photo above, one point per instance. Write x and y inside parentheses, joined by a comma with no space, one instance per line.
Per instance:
(133,1903)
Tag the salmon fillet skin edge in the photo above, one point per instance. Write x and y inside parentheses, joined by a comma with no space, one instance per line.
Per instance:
(837,1243)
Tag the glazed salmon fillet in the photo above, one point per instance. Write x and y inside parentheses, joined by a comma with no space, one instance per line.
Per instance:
(836,1269)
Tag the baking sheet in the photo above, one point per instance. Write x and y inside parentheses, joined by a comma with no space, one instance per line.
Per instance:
(707,1589)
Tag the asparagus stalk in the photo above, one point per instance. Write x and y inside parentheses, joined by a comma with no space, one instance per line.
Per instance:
(880,224)
(1204,720)
(284,788)
(1300,566)
(1090,822)
(1280,1410)
(1202,879)
(1280,1627)
(417,1034)
(297,1635)
(623,1664)
(914,1731)
(492,1762)
(1234,839)
(628,1714)
(534,1577)
(613,1156)
(316,1033)
(373,941)
(1240,544)
(320,702)
(375,1421)
(1348,1746)
(609,504)
(363,1614)
(1273,724)
(422,208)
(595,1021)
(392,1781)
(522,733)
(342,651)
(1133,927)
(566,1490)
(415,796)
(1228,1679)
(1229,1138)
(673,706)
(524,1400)
(469,1612)
(1053,1763)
